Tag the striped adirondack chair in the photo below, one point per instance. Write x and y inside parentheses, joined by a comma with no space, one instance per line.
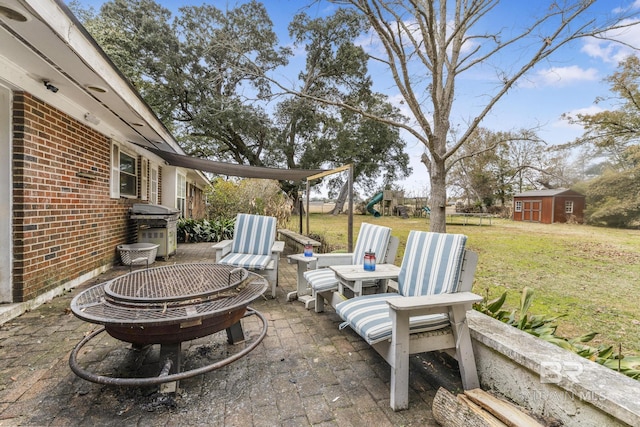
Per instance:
(253,247)
(324,282)
(428,313)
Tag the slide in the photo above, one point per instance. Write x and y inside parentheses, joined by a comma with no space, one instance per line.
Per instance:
(372,202)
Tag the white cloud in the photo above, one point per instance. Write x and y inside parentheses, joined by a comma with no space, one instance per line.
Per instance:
(610,51)
(561,77)
(593,109)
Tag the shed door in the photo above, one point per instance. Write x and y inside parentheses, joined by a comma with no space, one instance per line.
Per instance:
(532,210)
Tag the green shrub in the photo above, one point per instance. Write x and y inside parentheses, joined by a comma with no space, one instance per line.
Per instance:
(545,327)
(191,231)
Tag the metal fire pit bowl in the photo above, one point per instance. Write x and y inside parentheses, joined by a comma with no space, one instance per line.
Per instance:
(167,306)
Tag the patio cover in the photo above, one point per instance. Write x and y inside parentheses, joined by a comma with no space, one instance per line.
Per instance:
(244,171)
(222,168)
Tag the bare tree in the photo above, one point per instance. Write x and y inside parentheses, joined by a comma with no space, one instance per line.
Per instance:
(428,44)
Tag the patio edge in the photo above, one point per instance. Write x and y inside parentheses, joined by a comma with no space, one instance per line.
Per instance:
(549,380)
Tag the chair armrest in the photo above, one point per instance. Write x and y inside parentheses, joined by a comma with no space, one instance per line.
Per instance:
(300,259)
(278,246)
(320,260)
(222,248)
(430,304)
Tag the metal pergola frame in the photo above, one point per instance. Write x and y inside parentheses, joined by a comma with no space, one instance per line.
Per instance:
(349,196)
(246,171)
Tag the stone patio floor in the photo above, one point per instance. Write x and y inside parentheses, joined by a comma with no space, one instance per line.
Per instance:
(305,372)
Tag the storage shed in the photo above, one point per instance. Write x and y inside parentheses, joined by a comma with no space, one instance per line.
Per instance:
(549,206)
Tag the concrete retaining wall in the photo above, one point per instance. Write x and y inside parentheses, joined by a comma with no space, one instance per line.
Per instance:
(549,380)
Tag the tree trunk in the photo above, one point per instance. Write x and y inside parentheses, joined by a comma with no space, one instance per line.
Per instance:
(438,217)
(342,199)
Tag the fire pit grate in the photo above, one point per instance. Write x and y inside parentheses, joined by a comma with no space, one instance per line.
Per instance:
(168,305)
(169,294)
(175,283)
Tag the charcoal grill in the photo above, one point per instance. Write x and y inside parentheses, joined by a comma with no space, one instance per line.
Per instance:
(169,305)
(157,224)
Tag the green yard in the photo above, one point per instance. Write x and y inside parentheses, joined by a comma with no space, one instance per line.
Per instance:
(590,274)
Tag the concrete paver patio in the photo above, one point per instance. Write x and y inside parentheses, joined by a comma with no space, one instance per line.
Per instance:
(305,372)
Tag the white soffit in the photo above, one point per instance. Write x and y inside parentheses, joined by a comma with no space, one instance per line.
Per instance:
(51,46)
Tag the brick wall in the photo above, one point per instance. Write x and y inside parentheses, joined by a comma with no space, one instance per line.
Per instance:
(64,225)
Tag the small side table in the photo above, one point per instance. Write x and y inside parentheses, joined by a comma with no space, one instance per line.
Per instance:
(303,291)
(353,276)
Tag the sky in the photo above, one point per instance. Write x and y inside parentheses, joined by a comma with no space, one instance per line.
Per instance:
(570,82)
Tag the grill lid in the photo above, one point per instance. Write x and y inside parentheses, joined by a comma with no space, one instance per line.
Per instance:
(146,209)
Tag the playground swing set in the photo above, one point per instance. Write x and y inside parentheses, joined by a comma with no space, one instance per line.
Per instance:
(393,203)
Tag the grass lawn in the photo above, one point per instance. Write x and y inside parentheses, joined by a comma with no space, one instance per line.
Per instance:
(591,275)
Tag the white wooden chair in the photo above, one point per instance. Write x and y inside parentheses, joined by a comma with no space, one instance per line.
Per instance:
(323,281)
(428,313)
(253,247)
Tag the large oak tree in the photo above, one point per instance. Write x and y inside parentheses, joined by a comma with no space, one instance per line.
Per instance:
(203,72)
(314,134)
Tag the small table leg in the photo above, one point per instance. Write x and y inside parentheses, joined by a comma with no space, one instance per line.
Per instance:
(302,292)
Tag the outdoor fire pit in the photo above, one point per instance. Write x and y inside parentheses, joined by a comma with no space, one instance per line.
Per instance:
(167,306)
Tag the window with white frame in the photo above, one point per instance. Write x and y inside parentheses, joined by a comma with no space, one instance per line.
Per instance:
(181,194)
(568,206)
(518,206)
(153,187)
(128,178)
(124,181)
(144,179)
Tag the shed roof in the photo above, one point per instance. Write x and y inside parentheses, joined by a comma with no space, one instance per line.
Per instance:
(548,193)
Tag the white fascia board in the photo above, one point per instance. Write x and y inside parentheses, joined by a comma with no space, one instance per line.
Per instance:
(19,79)
(51,13)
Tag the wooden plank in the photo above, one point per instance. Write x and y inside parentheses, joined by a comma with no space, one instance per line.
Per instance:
(481,412)
(297,237)
(457,411)
(503,410)
(329,172)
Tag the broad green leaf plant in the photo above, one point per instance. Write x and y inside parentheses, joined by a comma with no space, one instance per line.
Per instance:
(544,327)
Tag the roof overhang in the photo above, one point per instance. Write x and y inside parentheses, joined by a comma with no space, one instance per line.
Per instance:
(51,45)
(43,42)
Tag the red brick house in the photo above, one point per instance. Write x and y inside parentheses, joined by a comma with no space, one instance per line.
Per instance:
(73,160)
(549,206)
